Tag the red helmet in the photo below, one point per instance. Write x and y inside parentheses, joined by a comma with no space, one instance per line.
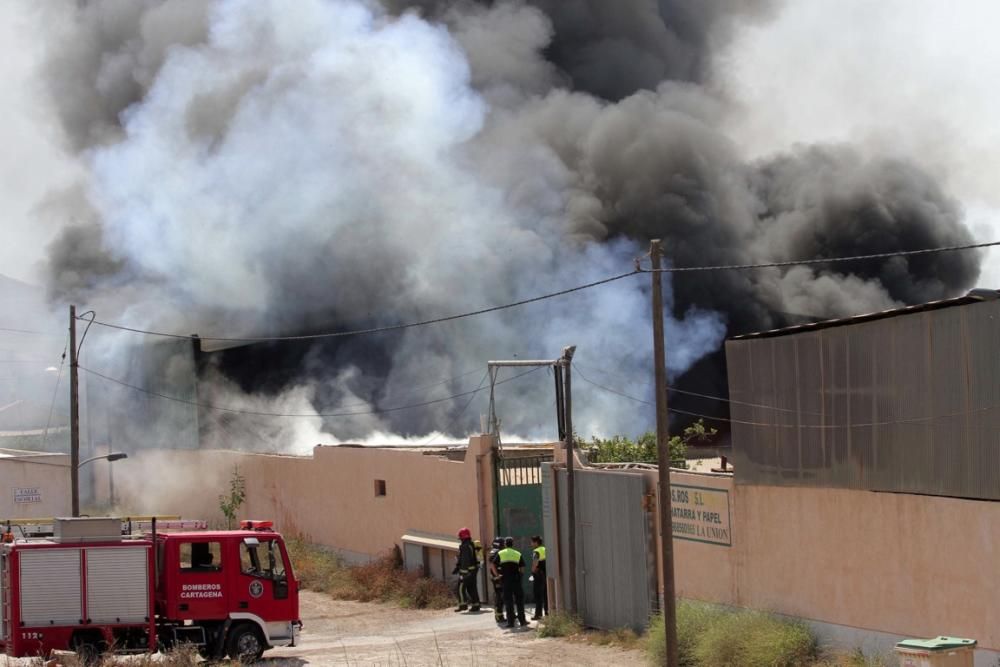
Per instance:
(464,534)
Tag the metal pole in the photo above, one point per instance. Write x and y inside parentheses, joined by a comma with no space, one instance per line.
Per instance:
(567,362)
(74,416)
(663,459)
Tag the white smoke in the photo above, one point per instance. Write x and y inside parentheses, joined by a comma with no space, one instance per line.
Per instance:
(324,163)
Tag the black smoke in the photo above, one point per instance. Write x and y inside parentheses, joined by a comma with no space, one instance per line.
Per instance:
(601,130)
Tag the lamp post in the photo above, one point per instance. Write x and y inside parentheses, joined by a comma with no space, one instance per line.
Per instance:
(113,456)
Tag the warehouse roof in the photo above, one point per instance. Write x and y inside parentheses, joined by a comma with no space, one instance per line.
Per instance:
(974,296)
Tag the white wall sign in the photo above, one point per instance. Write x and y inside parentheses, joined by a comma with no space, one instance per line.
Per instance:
(29,494)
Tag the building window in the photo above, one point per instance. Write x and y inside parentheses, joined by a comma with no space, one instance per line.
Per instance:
(379,487)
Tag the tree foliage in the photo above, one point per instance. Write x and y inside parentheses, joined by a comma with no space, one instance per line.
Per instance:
(620,449)
(230,503)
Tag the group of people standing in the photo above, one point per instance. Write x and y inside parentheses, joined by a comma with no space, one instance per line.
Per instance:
(506,568)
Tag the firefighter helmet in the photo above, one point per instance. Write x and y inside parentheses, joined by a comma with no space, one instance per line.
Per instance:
(464,534)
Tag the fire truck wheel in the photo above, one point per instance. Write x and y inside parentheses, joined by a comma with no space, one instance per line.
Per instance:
(245,643)
(87,646)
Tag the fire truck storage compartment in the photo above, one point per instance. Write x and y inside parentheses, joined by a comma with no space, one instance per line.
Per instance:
(50,587)
(117,585)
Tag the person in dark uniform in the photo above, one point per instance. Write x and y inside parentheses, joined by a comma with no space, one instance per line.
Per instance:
(539,588)
(496,579)
(466,567)
(511,569)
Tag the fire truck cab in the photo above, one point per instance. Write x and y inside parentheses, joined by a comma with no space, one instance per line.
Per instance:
(231,592)
(92,586)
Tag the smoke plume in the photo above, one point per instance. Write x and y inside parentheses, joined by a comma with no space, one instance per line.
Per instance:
(350,164)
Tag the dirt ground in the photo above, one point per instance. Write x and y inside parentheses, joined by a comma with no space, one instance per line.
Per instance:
(358,633)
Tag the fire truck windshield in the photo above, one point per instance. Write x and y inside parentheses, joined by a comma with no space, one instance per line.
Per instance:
(262,558)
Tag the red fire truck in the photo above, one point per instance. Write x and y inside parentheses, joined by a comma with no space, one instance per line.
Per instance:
(90,589)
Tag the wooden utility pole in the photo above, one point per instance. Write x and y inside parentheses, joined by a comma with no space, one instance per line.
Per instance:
(567,363)
(663,457)
(74,415)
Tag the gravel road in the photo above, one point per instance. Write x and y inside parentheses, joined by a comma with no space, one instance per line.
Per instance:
(357,633)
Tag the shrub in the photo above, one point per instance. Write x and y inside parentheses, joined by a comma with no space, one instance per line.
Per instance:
(709,636)
(381,580)
(560,624)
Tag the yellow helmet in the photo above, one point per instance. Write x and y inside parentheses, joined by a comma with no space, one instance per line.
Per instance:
(478,545)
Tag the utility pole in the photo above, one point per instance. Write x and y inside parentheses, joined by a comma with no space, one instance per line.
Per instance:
(663,457)
(567,363)
(74,415)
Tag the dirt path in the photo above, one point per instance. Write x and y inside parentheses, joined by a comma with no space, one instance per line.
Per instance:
(356,633)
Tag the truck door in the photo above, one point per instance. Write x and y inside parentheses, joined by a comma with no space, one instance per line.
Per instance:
(265,587)
(200,576)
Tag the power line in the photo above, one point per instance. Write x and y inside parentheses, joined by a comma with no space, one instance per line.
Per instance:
(596,283)
(55,390)
(731,401)
(373,330)
(460,412)
(827,260)
(29,332)
(913,420)
(210,406)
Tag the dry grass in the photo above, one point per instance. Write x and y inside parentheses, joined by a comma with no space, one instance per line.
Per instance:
(857,658)
(709,636)
(560,624)
(382,580)
(624,638)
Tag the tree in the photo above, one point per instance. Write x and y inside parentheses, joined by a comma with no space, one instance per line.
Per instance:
(620,449)
(230,504)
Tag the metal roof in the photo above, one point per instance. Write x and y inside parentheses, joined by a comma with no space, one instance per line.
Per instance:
(974,296)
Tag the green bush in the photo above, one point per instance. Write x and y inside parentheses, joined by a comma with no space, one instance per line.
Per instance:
(620,449)
(709,636)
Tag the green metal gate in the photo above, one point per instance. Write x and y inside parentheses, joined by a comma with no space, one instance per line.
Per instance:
(518,488)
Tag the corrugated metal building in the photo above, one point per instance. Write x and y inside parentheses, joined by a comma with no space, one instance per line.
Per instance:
(905,400)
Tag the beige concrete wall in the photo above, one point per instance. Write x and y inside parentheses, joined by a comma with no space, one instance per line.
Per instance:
(896,563)
(46,473)
(891,563)
(328,498)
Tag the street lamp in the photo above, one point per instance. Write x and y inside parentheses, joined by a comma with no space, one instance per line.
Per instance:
(113,456)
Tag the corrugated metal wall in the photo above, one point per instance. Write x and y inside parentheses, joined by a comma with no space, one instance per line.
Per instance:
(616,564)
(909,403)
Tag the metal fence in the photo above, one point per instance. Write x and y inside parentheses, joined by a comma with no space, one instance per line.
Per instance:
(905,402)
(616,561)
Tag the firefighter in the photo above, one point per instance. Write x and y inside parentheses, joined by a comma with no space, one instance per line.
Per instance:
(496,579)
(511,569)
(538,578)
(466,567)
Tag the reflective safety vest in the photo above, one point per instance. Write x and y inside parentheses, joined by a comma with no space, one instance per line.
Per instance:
(509,555)
(540,552)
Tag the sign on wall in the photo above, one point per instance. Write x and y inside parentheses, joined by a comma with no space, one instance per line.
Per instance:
(701,514)
(28,494)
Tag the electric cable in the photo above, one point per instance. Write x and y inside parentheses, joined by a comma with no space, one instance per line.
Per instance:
(210,406)
(913,420)
(638,270)
(732,401)
(374,330)
(818,260)
(461,412)
(55,391)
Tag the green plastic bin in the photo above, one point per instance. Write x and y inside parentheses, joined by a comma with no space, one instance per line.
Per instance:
(936,652)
